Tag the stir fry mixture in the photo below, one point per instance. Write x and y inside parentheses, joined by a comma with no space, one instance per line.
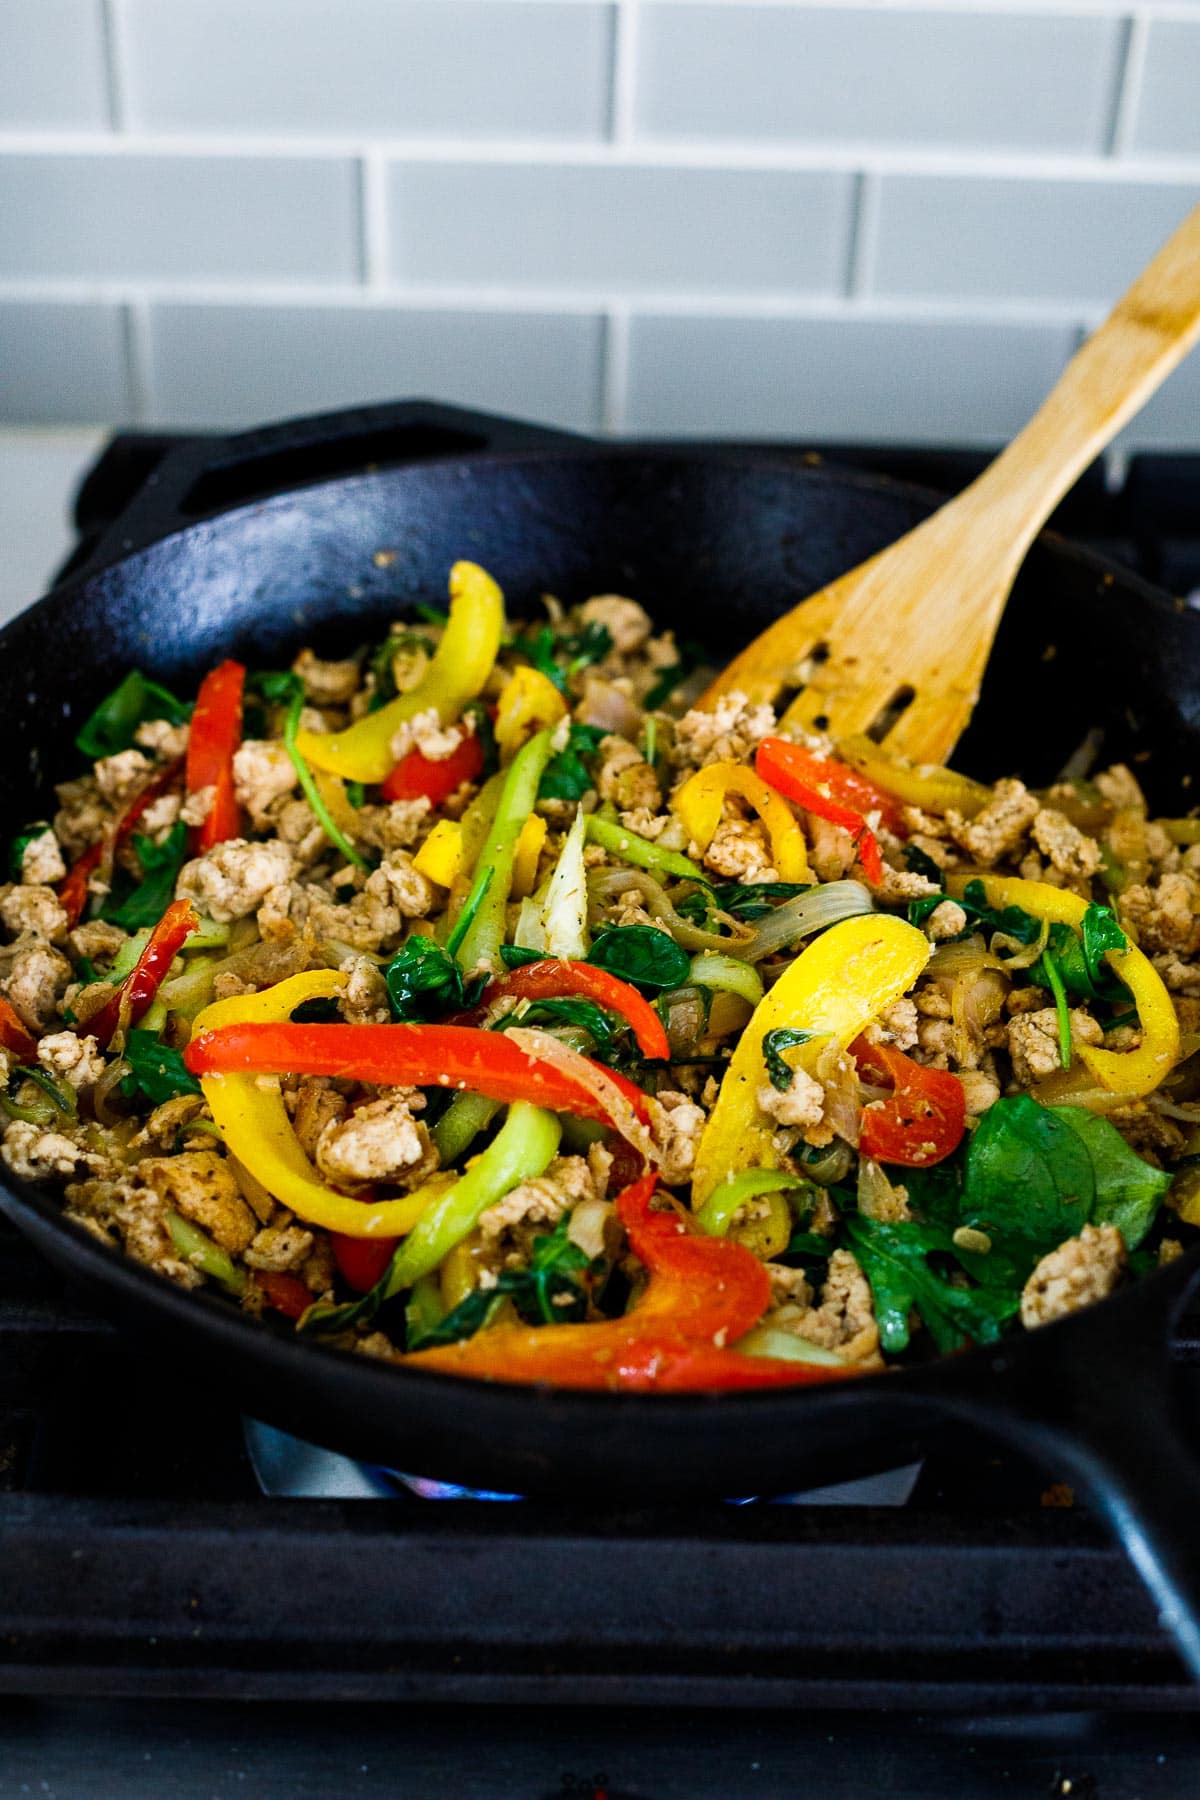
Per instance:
(473,1003)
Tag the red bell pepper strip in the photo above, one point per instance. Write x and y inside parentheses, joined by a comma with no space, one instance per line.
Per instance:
(215,734)
(137,991)
(73,888)
(13,1035)
(815,783)
(286,1293)
(361,1261)
(552,979)
(924,1120)
(703,1293)
(482,1062)
(420,777)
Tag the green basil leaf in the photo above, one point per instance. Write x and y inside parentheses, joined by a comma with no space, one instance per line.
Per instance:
(691,655)
(895,1260)
(278,687)
(568,1010)
(566,775)
(145,903)
(921,863)
(514,957)
(111,727)
(156,1070)
(755,899)
(424,981)
(19,845)
(641,954)
(780,1073)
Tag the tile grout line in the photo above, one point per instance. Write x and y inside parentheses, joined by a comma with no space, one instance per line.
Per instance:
(135,317)
(623,72)
(683,153)
(113,37)
(1130,83)
(373,220)
(614,376)
(423,296)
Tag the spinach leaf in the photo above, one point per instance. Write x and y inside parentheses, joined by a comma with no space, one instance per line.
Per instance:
(156,1070)
(566,775)
(895,1260)
(1128,1190)
(641,954)
(1029,1179)
(1079,958)
(544,646)
(514,957)
(753,900)
(568,1010)
(146,903)
(1036,1175)
(278,687)
(691,655)
(921,863)
(807,1243)
(111,727)
(424,981)
(544,1293)
(19,845)
(779,1072)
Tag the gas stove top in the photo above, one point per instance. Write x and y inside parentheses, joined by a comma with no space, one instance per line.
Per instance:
(154,1544)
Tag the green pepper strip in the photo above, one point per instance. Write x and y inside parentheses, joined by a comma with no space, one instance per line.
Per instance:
(484,935)
(312,794)
(717,1214)
(639,851)
(197,1248)
(460,1124)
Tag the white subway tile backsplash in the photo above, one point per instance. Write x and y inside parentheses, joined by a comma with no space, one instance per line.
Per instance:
(982,239)
(52,65)
(205,218)
(528,224)
(875,380)
(1168,115)
(460,68)
(275,361)
(990,80)
(61,363)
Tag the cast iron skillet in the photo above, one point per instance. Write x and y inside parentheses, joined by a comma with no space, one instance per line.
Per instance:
(227,551)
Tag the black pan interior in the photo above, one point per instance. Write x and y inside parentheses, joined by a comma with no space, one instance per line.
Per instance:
(715,547)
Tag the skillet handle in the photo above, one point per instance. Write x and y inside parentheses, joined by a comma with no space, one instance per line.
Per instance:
(205,475)
(1105,1403)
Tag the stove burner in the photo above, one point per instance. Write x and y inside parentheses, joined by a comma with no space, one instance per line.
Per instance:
(288,1467)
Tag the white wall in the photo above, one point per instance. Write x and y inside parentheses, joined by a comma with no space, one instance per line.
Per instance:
(794,218)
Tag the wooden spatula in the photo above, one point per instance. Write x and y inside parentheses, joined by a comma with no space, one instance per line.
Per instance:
(897,648)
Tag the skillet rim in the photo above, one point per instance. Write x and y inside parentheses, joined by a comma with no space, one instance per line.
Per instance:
(200,1312)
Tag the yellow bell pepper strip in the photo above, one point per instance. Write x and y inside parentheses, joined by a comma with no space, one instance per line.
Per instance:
(843,980)
(480,943)
(628,847)
(254,1124)
(440,857)
(525,859)
(927,785)
(461,665)
(529,702)
(1131,1074)
(700,799)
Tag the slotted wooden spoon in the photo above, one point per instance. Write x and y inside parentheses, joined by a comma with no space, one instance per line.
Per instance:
(897,647)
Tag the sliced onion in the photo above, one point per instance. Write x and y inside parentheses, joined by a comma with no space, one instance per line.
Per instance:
(729,974)
(836,1072)
(1170,1109)
(104,1089)
(594,1080)
(876,1195)
(608,707)
(976,1001)
(773,1340)
(827,1170)
(605,884)
(967,957)
(686,1021)
(806,914)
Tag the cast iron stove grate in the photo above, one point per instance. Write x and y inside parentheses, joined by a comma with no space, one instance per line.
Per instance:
(141,1558)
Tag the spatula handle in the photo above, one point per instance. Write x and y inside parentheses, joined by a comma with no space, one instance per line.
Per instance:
(1147,334)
